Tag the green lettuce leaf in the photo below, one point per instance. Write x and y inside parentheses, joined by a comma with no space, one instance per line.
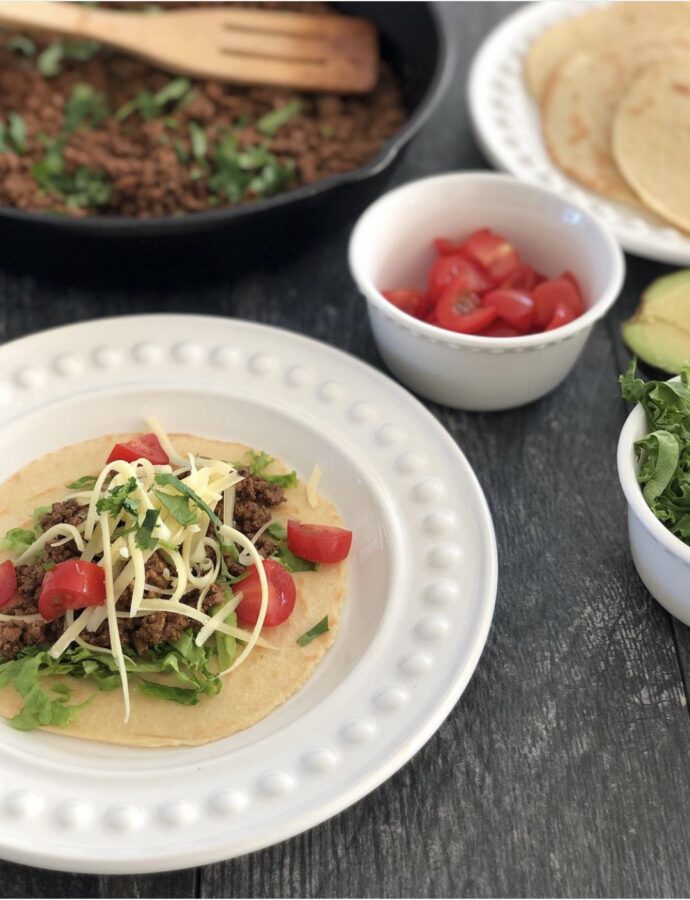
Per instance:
(17,540)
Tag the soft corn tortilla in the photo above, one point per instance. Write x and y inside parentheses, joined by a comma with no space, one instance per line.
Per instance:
(580,104)
(610,26)
(651,140)
(264,681)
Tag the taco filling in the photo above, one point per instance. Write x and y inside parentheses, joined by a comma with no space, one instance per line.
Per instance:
(157,579)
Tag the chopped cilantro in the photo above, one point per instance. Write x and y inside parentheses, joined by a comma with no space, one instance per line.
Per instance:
(197,136)
(49,62)
(118,500)
(144,539)
(260,461)
(185,490)
(84,107)
(178,507)
(274,120)
(19,43)
(150,105)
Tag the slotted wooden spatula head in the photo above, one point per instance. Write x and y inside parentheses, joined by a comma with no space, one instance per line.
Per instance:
(245,46)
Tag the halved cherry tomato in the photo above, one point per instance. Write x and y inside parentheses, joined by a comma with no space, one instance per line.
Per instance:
(444,247)
(72,584)
(513,307)
(448,269)
(318,543)
(549,294)
(562,314)
(281,595)
(413,302)
(579,306)
(459,310)
(8,582)
(524,278)
(494,253)
(145,447)
(500,329)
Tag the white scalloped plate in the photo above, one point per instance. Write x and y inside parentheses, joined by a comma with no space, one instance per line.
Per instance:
(506,123)
(419,605)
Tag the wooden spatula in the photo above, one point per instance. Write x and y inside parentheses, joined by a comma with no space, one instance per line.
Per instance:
(246,46)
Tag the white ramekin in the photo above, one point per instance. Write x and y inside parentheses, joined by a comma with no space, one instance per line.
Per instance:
(391,247)
(661,559)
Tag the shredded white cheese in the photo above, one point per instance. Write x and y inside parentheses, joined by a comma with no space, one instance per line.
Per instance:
(313,485)
(47,538)
(115,644)
(220,616)
(165,441)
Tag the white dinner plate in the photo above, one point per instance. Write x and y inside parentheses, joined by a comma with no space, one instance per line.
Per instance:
(418,609)
(506,123)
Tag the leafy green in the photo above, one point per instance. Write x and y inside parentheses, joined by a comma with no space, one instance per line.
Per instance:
(283,553)
(84,107)
(226,646)
(19,43)
(144,539)
(150,105)
(254,169)
(274,120)
(189,665)
(185,490)
(13,135)
(36,516)
(178,507)
(85,483)
(260,461)
(664,453)
(17,540)
(49,62)
(197,136)
(314,632)
(118,500)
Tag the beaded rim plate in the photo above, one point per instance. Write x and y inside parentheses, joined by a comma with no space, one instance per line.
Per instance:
(420,600)
(506,123)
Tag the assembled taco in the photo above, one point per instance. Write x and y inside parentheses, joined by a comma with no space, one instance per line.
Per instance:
(161,590)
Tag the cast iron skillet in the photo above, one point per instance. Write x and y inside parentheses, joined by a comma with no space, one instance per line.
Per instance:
(412,39)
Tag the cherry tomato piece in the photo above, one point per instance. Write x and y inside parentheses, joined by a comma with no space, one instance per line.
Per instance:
(497,257)
(448,269)
(281,595)
(562,314)
(318,543)
(459,309)
(145,447)
(8,582)
(548,295)
(72,584)
(579,306)
(512,307)
(500,329)
(409,300)
(524,278)
(444,247)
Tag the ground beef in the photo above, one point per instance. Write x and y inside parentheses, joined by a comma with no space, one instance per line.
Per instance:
(14,636)
(29,580)
(145,166)
(68,512)
(254,499)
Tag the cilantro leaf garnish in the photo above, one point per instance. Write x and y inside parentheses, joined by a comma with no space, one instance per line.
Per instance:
(144,539)
(85,483)
(185,490)
(49,61)
(118,500)
(178,507)
(149,105)
(260,461)
(314,632)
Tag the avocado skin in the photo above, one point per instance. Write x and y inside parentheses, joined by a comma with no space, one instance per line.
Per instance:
(659,332)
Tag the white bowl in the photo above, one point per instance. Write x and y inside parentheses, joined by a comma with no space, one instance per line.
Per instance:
(662,560)
(391,247)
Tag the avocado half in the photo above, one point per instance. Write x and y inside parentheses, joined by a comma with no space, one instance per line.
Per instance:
(659,332)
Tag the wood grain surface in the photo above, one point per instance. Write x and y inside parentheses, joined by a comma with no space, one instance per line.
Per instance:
(563,771)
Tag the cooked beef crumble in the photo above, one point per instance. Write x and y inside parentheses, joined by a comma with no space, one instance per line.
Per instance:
(89,130)
(254,499)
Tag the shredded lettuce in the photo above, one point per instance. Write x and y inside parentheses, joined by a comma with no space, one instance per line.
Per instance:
(17,540)
(37,514)
(664,453)
(260,461)
(46,703)
(283,554)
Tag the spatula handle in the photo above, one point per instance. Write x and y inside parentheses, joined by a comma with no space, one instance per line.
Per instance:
(64,18)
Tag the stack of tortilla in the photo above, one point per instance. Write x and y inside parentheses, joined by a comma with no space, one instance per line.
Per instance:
(613,87)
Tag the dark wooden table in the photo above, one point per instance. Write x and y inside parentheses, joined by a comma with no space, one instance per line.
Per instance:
(564,768)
